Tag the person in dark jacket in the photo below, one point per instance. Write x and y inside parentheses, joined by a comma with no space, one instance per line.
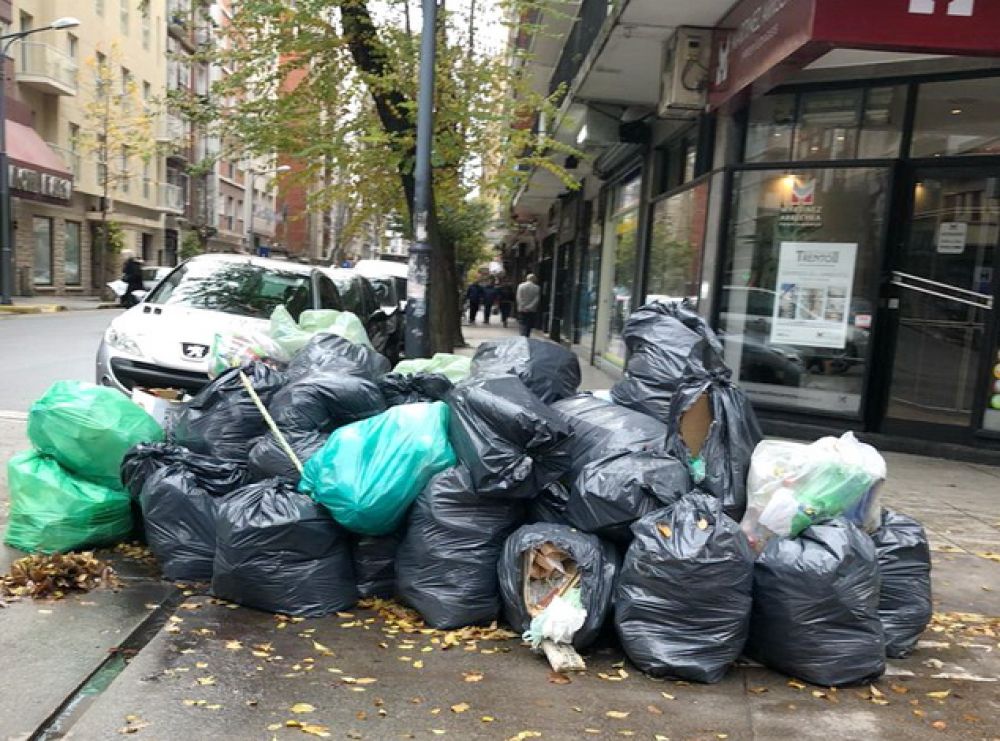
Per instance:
(505,295)
(474,295)
(489,298)
(132,275)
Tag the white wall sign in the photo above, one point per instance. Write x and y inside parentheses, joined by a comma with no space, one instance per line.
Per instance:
(952,237)
(813,294)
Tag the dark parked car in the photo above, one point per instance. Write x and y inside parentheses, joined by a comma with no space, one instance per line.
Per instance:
(382,323)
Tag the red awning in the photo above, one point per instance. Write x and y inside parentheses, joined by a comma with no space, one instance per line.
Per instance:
(26,148)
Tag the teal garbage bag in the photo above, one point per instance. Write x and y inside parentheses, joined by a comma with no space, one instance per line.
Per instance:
(51,510)
(369,472)
(88,429)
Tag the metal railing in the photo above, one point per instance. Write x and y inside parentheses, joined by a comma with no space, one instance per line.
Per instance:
(170,197)
(47,65)
(71,158)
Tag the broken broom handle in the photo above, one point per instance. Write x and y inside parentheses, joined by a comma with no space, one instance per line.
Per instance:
(270,423)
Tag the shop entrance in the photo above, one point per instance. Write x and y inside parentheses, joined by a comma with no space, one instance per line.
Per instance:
(941,305)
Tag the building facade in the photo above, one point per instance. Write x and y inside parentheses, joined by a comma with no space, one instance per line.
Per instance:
(820,178)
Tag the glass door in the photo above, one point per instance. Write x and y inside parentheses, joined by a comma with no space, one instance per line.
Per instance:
(943,301)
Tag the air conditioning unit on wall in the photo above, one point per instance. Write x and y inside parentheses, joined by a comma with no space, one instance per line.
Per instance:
(687,56)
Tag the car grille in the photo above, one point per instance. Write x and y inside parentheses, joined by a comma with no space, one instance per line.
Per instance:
(131,373)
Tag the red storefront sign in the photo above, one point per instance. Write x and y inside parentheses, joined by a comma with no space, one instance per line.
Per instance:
(761,41)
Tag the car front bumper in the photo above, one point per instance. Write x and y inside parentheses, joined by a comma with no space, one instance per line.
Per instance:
(125,371)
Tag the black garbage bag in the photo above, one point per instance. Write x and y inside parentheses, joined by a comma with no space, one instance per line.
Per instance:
(281,552)
(221,420)
(446,565)
(550,370)
(682,601)
(904,559)
(322,401)
(667,342)
(596,562)
(143,460)
(331,353)
(512,443)
(269,460)
(375,564)
(550,505)
(601,427)
(723,462)
(400,388)
(178,507)
(815,607)
(611,493)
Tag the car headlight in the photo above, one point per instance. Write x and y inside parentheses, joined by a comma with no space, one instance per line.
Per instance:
(121,341)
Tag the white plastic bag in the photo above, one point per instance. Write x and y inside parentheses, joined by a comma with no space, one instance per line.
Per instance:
(558,622)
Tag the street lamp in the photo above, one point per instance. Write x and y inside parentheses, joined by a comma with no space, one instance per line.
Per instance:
(252,178)
(6,233)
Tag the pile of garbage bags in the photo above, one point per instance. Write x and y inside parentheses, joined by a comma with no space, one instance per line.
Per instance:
(492,489)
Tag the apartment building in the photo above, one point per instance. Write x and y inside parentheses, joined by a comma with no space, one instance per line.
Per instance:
(820,178)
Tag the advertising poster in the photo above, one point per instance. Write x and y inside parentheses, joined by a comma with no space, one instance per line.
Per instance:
(813,294)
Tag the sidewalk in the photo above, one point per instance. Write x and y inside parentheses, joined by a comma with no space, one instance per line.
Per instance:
(50,304)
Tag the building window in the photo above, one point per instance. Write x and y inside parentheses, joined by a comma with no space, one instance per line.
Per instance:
(99,7)
(796,307)
(958,117)
(41,227)
(72,270)
(125,176)
(624,244)
(123,16)
(677,242)
(146,25)
(147,181)
(72,45)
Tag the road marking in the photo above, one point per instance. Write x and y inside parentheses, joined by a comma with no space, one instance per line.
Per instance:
(14,416)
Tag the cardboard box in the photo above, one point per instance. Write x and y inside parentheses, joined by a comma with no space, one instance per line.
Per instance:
(158,403)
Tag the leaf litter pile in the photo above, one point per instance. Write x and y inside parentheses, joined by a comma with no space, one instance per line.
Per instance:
(54,576)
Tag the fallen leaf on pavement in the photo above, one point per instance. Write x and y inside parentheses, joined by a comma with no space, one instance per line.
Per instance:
(460,707)
(559,678)
(617,714)
(206,681)
(899,689)
(654,710)
(758,690)
(418,665)
(487,719)
(525,734)
(315,730)
(302,707)
(322,649)
(939,725)
(795,684)
(234,645)
(668,696)
(939,695)
(472,676)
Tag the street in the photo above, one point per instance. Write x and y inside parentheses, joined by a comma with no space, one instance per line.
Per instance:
(41,348)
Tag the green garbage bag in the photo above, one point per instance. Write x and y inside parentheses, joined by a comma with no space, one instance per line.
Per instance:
(53,510)
(454,367)
(88,429)
(369,472)
(292,336)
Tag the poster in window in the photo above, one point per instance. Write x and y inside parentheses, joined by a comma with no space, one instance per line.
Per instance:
(813,294)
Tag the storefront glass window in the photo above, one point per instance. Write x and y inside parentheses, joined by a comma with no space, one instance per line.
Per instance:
(71,271)
(625,236)
(796,309)
(769,132)
(882,127)
(42,233)
(676,246)
(828,125)
(957,117)
(590,275)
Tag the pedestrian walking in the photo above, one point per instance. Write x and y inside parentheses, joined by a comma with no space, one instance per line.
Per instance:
(529,298)
(474,295)
(505,297)
(132,275)
(489,298)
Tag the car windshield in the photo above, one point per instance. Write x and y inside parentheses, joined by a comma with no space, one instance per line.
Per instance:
(235,288)
(349,289)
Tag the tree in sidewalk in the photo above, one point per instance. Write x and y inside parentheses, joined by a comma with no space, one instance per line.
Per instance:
(117,131)
(352,111)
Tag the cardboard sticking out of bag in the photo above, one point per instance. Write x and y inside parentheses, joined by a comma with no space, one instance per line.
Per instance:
(695,423)
(157,401)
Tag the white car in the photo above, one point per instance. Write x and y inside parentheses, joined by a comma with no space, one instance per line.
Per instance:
(165,340)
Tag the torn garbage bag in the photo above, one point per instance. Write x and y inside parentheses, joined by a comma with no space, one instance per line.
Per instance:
(88,429)
(331,353)
(268,458)
(815,607)
(368,473)
(323,401)
(51,510)
(178,508)
(904,560)
(601,427)
(222,419)
(667,342)
(542,561)
(279,551)
(375,565)
(398,388)
(682,601)
(446,565)
(455,367)
(512,443)
(551,371)
(715,433)
(611,493)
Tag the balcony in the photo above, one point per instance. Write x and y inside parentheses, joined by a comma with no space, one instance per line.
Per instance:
(588,25)
(71,158)
(47,69)
(170,198)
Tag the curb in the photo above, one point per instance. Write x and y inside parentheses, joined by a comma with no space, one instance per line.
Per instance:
(32,309)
